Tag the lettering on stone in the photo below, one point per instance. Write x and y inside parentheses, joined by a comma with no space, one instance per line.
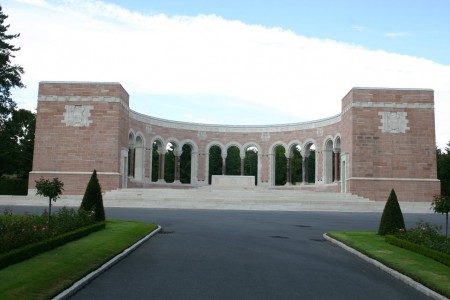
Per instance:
(77,115)
(202,135)
(148,128)
(393,122)
(265,136)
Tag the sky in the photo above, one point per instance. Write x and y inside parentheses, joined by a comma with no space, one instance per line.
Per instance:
(236,62)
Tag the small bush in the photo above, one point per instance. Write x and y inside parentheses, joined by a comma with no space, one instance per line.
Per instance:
(392,218)
(13,186)
(425,239)
(427,235)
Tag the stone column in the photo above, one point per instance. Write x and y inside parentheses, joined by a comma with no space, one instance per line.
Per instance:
(177,156)
(288,170)
(242,164)
(161,166)
(224,161)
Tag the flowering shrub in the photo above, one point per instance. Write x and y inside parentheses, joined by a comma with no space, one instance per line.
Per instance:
(427,235)
(20,230)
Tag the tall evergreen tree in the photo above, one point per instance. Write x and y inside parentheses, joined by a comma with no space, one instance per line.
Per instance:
(93,199)
(10,74)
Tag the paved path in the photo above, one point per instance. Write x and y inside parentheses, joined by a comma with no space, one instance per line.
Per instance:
(247,255)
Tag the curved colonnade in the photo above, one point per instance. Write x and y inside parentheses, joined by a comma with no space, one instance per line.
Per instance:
(147,133)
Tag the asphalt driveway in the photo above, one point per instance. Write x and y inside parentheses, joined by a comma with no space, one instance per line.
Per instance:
(247,255)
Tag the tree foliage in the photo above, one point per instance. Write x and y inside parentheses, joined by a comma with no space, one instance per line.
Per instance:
(280,166)
(443,169)
(155,163)
(392,217)
(93,199)
(233,161)
(17,143)
(215,162)
(251,163)
(169,165)
(51,189)
(10,74)
(441,204)
(185,164)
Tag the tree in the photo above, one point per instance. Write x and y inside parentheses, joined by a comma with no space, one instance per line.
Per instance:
(10,74)
(251,163)
(311,166)
(51,189)
(17,143)
(92,199)
(169,165)
(155,163)
(441,204)
(297,161)
(392,218)
(443,169)
(233,161)
(185,164)
(280,166)
(215,162)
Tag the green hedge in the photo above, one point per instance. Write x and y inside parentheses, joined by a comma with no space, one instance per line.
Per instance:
(20,254)
(14,187)
(436,255)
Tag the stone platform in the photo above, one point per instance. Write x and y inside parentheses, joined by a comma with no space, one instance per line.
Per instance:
(226,198)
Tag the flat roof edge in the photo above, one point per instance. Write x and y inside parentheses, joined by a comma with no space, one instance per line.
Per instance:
(392,89)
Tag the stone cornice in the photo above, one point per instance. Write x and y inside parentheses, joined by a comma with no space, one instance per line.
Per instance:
(83,99)
(391,105)
(234,128)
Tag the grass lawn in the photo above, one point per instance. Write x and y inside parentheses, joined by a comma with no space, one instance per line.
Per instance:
(49,273)
(427,271)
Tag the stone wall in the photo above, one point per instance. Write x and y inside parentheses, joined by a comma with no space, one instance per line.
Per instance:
(80,127)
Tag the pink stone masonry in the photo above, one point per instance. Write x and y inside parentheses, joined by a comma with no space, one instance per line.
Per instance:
(384,139)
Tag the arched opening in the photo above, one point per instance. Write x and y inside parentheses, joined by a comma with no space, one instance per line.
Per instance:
(296,165)
(131,154)
(215,162)
(280,165)
(309,163)
(185,164)
(251,163)
(169,164)
(233,161)
(157,161)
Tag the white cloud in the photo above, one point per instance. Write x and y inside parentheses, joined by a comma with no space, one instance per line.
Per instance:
(395,34)
(209,57)
(358,27)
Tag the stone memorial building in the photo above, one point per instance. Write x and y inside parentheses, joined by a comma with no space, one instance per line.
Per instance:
(381,139)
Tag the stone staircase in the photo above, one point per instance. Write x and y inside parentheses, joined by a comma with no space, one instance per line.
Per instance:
(240,199)
(208,197)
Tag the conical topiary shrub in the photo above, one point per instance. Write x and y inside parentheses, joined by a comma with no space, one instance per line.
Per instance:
(92,199)
(392,218)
